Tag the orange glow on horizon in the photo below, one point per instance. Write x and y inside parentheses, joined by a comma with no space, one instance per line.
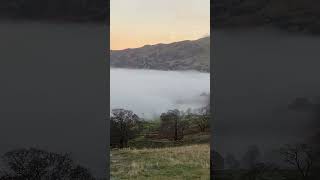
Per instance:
(135,23)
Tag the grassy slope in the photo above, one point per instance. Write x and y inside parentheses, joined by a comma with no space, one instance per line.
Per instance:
(182,162)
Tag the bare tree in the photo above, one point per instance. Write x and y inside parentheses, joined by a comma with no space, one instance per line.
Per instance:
(199,117)
(38,164)
(126,124)
(173,124)
(299,156)
(203,118)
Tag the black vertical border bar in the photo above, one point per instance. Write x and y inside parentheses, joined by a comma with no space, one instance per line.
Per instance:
(107,59)
(212,91)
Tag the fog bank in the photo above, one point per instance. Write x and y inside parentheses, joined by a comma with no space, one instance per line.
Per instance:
(148,93)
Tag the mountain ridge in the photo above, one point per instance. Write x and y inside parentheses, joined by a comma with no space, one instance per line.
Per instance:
(182,55)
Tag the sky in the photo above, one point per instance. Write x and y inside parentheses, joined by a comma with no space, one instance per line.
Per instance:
(135,23)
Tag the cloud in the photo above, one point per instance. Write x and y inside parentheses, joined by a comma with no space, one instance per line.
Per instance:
(151,92)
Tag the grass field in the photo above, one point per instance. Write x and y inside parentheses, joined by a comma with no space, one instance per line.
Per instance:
(186,162)
(190,139)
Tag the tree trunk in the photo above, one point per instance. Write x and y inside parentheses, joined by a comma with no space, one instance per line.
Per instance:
(121,142)
(176,130)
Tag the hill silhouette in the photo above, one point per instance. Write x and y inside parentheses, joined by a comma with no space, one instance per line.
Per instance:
(183,55)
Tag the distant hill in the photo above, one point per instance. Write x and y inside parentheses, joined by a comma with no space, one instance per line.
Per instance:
(289,15)
(55,10)
(183,55)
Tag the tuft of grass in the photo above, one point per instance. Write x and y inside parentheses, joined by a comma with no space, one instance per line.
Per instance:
(182,162)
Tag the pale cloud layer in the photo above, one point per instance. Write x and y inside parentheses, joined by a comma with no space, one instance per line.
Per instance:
(149,92)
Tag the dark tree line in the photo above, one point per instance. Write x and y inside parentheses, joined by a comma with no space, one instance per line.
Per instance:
(174,122)
(126,125)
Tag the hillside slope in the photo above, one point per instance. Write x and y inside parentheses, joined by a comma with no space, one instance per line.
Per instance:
(183,55)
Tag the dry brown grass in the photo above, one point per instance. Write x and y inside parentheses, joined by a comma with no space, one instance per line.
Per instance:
(184,162)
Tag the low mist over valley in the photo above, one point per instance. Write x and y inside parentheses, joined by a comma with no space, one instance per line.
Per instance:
(151,92)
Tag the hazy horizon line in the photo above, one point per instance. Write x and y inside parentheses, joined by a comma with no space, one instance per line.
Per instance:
(165,43)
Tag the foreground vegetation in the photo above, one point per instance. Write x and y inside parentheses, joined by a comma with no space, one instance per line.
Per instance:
(175,146)
(181,162)
(190,139)
(159,158)
(39,164)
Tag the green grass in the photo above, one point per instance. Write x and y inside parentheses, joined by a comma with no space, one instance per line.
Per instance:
(183,162)
(153,158)
(150,125)
(142,142)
